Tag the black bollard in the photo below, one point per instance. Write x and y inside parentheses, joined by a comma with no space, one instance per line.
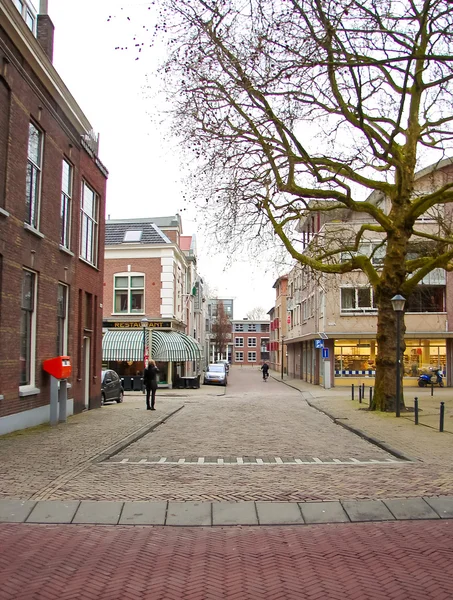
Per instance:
(363,391)
(432,388)
(442,414)
(371,395)
(360,394)
(416,409)
(352,391)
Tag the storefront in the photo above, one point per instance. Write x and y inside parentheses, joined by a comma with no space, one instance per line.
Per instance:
(357,358)
(126,351)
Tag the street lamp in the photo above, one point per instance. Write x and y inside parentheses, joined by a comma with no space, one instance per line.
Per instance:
(283,350)
(398,303)
(144,323)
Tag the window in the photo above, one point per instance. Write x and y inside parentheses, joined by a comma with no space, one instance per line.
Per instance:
(33,181)
(66,196)
(89,225)
(129,293)
(239,342)
(133,235)
(251,342)
(238,327)
(264,344)
(239,356)
(251,356)
(88,321)
(27,13)
(357,299)
(28,328)
(252,327)
(265,327)
(62,320)
(426,299)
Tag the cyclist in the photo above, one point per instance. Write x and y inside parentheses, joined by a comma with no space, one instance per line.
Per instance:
(265,369)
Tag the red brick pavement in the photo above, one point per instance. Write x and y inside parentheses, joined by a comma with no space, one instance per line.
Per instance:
(367,561)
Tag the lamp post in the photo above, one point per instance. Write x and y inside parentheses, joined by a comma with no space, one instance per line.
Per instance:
(398,303)
(144,323)
(283,349)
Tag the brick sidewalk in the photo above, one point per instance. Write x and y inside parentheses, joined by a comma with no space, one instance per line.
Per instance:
(381,561)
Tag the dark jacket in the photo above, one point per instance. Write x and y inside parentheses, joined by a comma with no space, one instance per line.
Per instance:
(265,368)
(150,376)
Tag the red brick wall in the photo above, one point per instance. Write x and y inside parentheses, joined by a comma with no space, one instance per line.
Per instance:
(20,248)
(246,349)
(152,269)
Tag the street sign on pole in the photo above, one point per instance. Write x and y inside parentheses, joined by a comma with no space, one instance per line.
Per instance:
(319,343)
(325,352)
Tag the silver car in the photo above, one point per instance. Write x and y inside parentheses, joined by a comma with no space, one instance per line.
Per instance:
(216,374)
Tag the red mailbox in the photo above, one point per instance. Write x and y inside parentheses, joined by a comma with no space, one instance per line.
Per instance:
(59,367)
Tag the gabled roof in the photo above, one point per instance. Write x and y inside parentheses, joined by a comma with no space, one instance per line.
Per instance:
(115,231)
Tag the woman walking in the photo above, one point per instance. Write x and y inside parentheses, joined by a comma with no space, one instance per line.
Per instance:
(150,380)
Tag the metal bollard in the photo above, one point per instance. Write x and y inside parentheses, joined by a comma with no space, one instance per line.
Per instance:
(360,394)
(442,415)
(371,395)
(363,390)
(416,409)
(352,391)
(432,389)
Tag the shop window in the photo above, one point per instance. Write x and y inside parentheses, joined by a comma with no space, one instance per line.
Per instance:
(427,299)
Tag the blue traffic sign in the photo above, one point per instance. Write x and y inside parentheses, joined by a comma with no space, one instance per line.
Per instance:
(325,352)
(319,343)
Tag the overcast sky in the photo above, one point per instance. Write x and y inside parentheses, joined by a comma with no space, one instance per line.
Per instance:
(121,101)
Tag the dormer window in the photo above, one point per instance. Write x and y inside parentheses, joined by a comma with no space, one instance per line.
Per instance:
(133,236)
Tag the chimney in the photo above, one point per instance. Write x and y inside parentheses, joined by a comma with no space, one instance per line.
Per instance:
(45,30)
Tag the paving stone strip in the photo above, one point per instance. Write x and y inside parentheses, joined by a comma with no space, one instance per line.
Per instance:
(223,513)
(102,455)
(247,460)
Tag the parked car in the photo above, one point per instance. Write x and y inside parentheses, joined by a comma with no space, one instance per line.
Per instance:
(111,387)
(216,373)
(224,362)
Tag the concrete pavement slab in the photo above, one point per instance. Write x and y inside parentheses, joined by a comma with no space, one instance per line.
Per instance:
(443,506)
(278,513)
(53,511)
(410,508)
(15,511)
(189,513)
(323,512)
(98,512)
(143,513)
(234,513)
(367,510)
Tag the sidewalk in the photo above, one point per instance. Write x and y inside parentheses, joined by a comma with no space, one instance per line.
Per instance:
(423,442)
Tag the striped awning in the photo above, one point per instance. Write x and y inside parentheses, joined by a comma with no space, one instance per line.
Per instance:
(122,345)
(173,346)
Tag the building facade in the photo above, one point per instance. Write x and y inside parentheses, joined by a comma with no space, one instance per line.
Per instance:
(250,340)
(212,311)
(333,322)
(278,326)
(153,301)
(52,198)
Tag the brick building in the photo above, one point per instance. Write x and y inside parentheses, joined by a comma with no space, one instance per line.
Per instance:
(153,300)
(250,342)
(278,318)
(52,196)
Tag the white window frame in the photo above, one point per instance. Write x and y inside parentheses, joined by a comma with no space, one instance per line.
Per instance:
(129,289)
(31,375)
(66,205)
(249,342)
(251,356)
(357,308)
(26,9)
(89,245)
(64,348)
(239,342)
(238,327)
(33,180)
(239,356)
(252,327)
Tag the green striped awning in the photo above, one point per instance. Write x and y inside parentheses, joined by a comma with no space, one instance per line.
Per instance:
(122,345)
(173,346)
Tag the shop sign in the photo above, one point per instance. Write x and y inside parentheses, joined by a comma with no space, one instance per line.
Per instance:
(137,324)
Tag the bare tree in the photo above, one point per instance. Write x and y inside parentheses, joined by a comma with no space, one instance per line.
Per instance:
(256,314)
(221,331)
(302,106)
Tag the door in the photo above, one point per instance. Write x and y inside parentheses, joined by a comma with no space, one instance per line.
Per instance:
(86,374)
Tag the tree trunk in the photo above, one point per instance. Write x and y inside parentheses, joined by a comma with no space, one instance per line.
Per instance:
(384,398)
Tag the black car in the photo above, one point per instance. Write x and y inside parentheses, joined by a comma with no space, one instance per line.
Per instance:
(111,387)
